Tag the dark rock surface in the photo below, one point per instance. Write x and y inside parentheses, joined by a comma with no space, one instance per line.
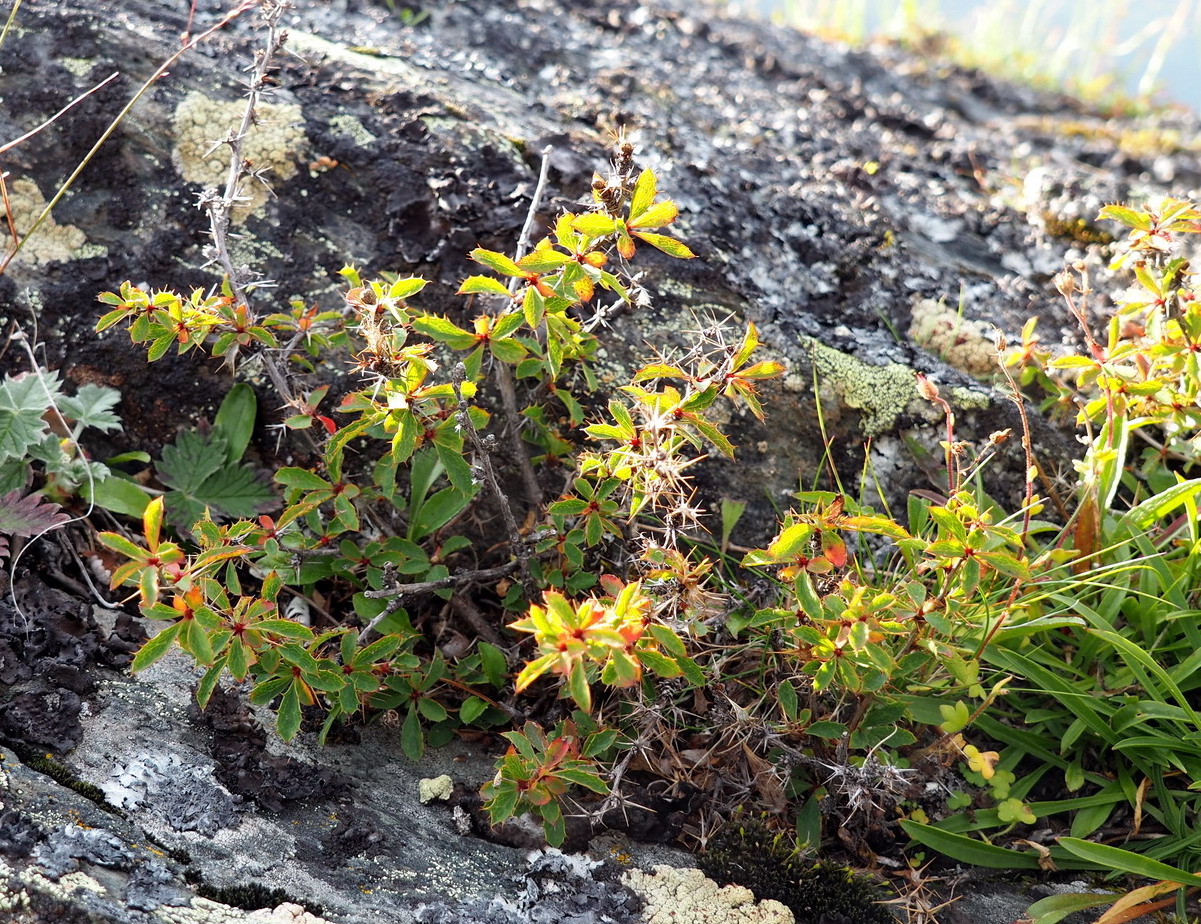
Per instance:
(828,193)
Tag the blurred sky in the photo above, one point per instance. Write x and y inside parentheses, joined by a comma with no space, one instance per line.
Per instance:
(1149,42)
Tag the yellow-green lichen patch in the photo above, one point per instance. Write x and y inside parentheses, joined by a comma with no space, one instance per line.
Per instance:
(960,342)
(51,242)
(880,393)
(274,145)
(438,787)
(80,67)
(686,896)
(349,125)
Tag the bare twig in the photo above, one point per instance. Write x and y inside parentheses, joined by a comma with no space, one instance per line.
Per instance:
(483,450)
(504,375)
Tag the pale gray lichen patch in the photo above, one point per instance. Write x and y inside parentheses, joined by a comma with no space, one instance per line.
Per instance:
(960,342)
(687,896)
(51,242)
(348,125)
(274,145)
(438,787)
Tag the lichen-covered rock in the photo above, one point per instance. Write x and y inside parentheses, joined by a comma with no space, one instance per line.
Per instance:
(399,149)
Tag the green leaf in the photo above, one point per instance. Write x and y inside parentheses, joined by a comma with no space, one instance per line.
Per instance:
(301,478)
(287,722)
(496,668)
(445,331)
(669,245)
(497,262)
(1055,908)
(117,494)
(235,491)
(91,407)
(584,778)
(1115,858)
(412,741)
(789,703)
(155,648)
(191,460)
(19,430)
(471,709)
(966,849)
(1156,508)
(483,285)
(234,422)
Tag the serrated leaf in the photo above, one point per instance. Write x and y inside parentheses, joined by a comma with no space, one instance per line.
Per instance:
(482,285)
(29,392)
(92,406)
(669,245)
(236,491)
(497,262)
(644,193)
(191,460)
(19,430)
(28,516)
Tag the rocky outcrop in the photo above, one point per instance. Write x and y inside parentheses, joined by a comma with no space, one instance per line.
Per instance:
(849,202)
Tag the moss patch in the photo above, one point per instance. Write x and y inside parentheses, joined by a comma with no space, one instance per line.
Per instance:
(749,855)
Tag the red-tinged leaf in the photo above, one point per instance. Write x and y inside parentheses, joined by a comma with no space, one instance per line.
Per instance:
(483,285)
(597,224)
(644,193)
(764,370)
(659,371)
(625,244)
(28,516)
(835,551)
(1126,216)
(658,215)
(669,245)
(404,288)
(152,522)
(497,262)
(154,649)
(534,670)
(543,260)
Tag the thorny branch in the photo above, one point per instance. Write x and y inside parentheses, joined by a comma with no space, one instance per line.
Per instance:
(220,206)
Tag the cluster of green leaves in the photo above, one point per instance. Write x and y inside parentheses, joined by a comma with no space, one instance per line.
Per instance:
(352,535)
